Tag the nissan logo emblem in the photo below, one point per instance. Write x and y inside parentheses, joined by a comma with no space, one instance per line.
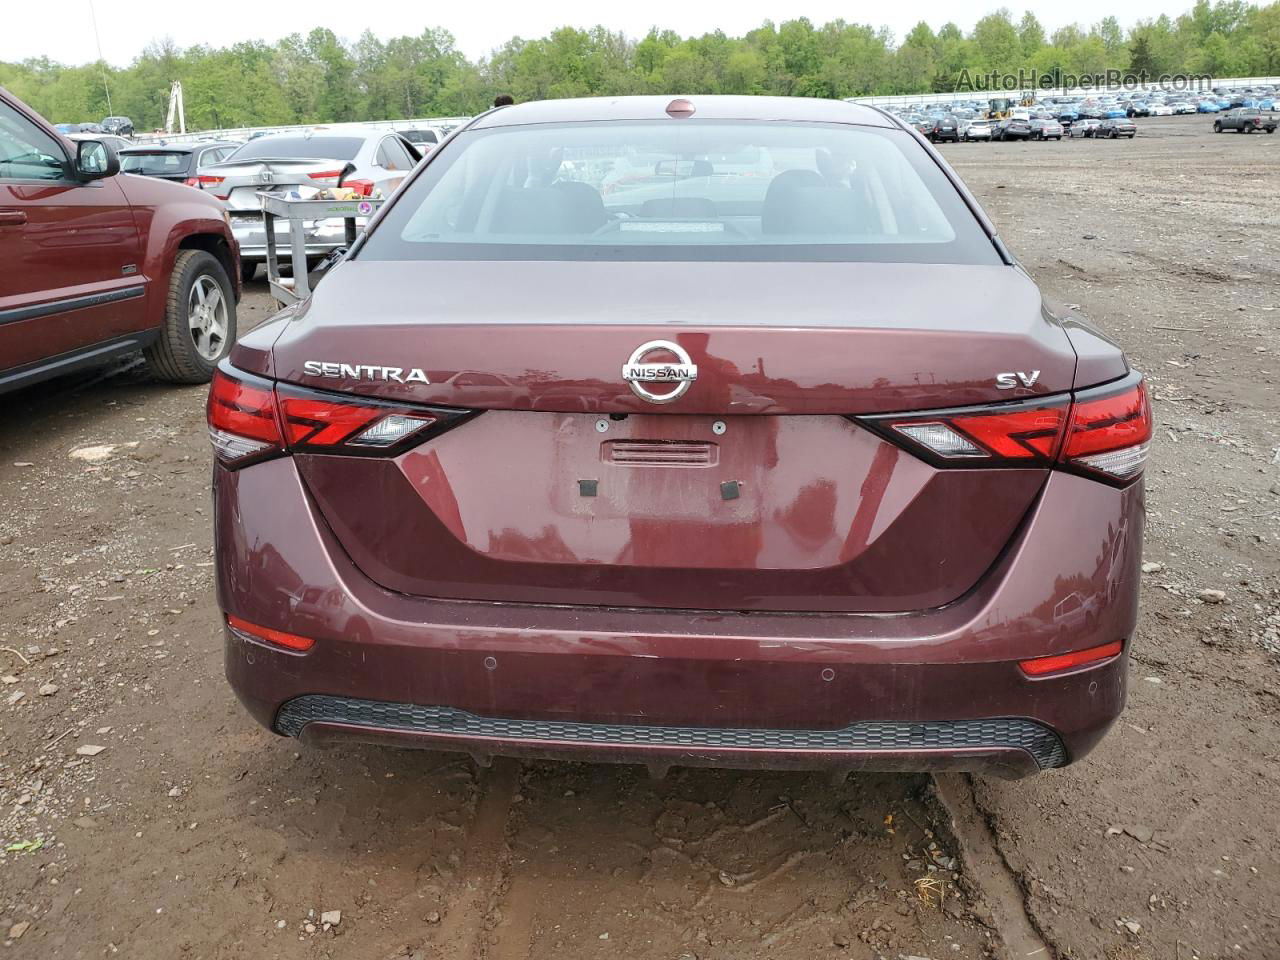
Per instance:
(682,372)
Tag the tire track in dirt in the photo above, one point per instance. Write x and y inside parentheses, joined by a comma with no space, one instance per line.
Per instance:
(463,929)
(986,866)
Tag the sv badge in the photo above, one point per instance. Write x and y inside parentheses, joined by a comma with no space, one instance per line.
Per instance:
(1007,381)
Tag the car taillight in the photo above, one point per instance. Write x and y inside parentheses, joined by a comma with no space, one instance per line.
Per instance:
(319,422)
(242,418)
(326,175)
(206,182)
(1018,434)
(251,418)
(1103,432)
(1110,430)
(191,182)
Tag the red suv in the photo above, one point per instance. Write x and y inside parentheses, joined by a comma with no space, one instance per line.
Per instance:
(97,264)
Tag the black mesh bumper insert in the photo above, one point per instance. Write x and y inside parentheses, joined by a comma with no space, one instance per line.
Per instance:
(1035,738)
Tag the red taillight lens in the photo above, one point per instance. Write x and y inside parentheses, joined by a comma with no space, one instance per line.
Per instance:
(326,175)
(242,418)
(1103,432)
(1110,430)
(279,638)
(206,182)
(1028,433)
(251,418)
(191,182)
(1042,666)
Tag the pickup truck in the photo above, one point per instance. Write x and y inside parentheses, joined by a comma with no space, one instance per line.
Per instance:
(96,264)
(1244,120)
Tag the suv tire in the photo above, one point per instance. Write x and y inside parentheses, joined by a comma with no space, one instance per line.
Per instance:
(190,346)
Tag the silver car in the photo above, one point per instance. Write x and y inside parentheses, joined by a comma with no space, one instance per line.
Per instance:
(1045,128)
(373,162)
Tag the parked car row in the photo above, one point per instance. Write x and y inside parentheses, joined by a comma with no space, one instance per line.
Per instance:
(116,126)
(1041,126)
(1106,106)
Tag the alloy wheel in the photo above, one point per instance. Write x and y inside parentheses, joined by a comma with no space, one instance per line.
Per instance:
(207,317)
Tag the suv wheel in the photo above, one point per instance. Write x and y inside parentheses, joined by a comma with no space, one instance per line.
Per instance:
(1217,126)
(199,320)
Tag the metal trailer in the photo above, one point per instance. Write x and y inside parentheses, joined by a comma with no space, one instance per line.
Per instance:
(287,290)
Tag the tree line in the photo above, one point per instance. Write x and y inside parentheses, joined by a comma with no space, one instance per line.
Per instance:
(322,78)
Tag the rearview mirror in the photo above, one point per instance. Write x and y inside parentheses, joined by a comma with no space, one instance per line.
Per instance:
(95,160)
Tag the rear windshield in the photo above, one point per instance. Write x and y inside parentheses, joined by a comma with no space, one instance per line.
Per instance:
(682,190)
(156,164)
(318,148)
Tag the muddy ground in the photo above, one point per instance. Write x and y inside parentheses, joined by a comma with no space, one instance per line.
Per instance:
(145,815)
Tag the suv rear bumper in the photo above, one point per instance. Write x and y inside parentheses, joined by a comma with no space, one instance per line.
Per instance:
(935,689)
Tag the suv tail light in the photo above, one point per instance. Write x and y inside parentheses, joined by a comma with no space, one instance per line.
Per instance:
(252,418)
(1102,432)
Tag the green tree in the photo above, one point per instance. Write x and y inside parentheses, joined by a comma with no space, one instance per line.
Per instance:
(1030,34)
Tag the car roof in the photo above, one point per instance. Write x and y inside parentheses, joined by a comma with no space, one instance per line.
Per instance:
(178,147)
(586,109)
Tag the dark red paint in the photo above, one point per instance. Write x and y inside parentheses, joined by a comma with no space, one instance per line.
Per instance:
(617,562)
(63,240)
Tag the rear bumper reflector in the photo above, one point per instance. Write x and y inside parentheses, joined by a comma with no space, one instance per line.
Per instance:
(995,733)
(276,638)
(1062,662)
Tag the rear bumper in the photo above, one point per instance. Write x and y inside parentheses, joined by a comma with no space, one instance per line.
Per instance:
(937,689)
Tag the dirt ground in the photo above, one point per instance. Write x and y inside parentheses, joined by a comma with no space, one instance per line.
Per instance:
(143,814)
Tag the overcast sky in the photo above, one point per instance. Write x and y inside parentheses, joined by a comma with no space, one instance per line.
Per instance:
(64,31)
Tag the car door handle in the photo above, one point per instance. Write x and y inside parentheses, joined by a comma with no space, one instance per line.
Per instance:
(12,218)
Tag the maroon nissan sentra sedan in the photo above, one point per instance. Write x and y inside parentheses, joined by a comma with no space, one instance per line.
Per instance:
(715,431)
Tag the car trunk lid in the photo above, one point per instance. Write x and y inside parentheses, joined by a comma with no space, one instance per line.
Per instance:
(753,491)
(240,181)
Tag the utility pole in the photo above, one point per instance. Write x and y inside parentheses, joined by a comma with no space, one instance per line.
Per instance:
(101,63)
